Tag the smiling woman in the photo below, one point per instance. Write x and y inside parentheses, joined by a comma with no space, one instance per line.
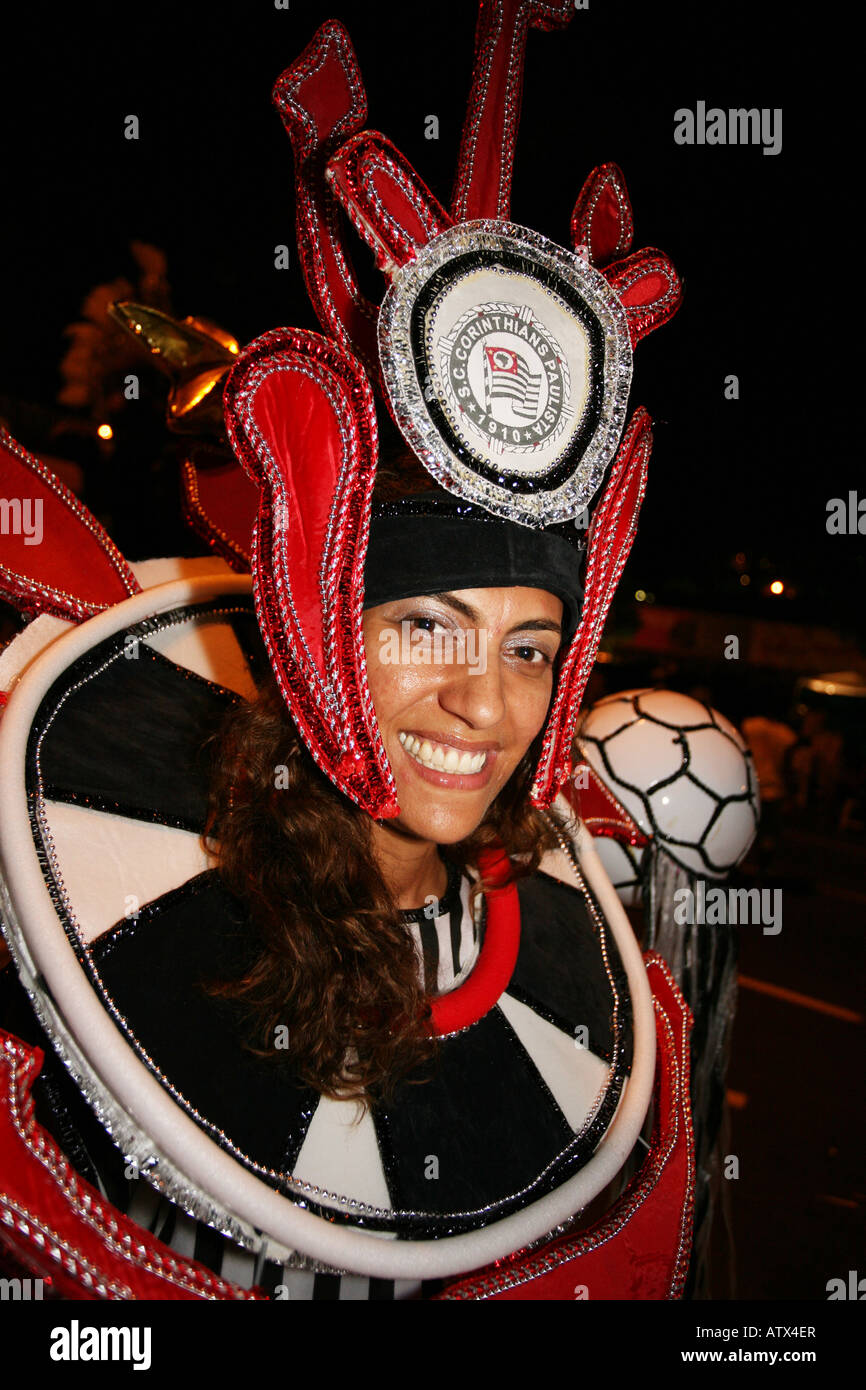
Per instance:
(355,999)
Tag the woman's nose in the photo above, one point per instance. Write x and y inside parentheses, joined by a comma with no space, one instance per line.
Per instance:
(474,688)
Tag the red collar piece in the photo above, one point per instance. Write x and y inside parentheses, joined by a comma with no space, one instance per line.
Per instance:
(495,965)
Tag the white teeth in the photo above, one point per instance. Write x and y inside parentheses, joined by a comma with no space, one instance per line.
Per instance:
(442,757)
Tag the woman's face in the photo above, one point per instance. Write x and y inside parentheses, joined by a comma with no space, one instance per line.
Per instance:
(461,683)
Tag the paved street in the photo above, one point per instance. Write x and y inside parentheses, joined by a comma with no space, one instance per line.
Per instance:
(796,1078)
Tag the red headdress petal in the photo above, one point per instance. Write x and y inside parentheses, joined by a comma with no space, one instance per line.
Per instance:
(602,218)
(391,208)
(301,419)
(322,102)
(649,288)
(71,568)
(598,808)
(220,504)
(610,540)
(486,161)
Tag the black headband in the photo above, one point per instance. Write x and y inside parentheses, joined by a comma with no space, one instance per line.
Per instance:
(435,541)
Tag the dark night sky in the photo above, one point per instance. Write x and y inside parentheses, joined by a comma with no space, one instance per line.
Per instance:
(210,181)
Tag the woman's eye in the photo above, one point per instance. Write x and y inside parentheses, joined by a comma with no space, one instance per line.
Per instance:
(424,618)
(532,656)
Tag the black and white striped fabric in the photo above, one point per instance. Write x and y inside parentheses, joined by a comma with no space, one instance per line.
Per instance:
(283,1283)
(447,934)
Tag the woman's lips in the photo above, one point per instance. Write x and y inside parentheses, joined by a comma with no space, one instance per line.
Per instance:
(443,777)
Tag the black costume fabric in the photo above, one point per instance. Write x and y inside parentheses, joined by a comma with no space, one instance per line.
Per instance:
(435,542)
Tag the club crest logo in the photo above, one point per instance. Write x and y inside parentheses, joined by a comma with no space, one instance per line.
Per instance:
(505,378)
(507,362)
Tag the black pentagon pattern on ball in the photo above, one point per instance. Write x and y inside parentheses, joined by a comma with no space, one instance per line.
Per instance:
(681,731)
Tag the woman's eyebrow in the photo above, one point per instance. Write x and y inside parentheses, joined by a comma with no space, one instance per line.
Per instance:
(538,625)
(531,625)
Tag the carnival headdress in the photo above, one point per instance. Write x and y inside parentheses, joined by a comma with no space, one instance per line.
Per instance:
(505,361)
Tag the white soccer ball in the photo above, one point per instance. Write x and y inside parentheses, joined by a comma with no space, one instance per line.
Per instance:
(681,770)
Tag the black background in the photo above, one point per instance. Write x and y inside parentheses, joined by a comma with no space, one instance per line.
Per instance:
(768,247)
(764,243)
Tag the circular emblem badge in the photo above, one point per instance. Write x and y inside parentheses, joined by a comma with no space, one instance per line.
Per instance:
(508,363)
(505,373)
